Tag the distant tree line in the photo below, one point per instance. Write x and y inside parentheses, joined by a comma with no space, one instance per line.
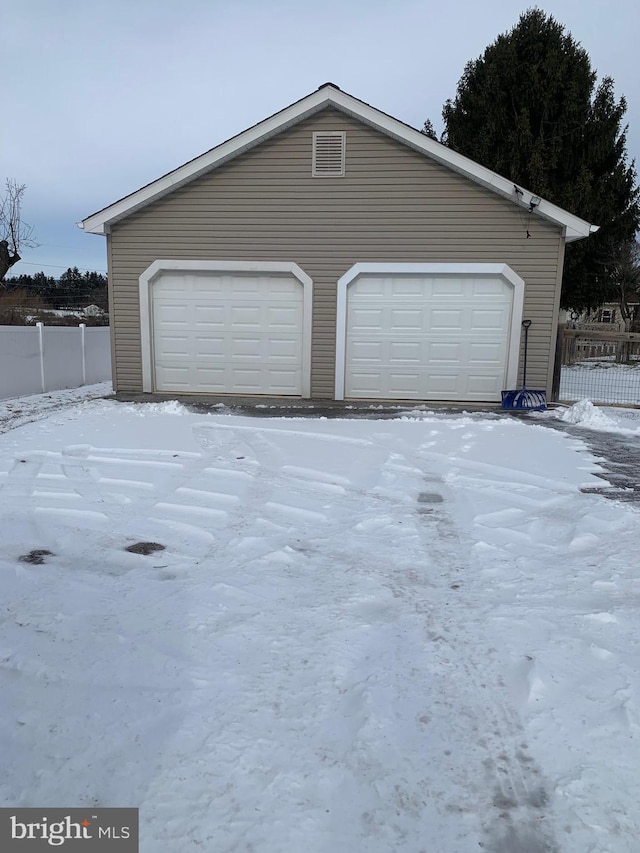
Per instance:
(29,298)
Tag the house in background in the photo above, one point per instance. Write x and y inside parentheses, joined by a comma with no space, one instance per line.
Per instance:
(607,318)
(332,251)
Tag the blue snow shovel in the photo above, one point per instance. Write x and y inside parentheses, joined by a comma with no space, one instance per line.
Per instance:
(524,399)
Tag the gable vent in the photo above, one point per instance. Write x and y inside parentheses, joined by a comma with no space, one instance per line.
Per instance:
(328,153)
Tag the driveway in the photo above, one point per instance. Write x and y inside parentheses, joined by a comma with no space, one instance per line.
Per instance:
(617,454)
(409,633)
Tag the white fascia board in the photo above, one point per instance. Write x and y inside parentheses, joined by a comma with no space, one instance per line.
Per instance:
(575,228)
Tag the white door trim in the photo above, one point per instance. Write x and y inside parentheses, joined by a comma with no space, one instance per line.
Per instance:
(163,265)
(502,270)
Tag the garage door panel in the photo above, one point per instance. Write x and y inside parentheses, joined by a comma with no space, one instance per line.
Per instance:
(449,319)
(174,285)
(219,333)
(243,285)
(447,287)
(211,376)
(406,351)
(209,316)
(406,318)
(367,319)
(448,340)
(177,345)
(487,287)
(197,286)
(173,314)
(245,317)
(283,381)
(245,348)
(405,384)
(283,349)
(444,384)
(249,381)
(488,319)
(284,286)
(486,353)
(284,318)
(206,346)
(480,383)
(367,350)
(366,383)
(373,286)
(400,287)
(444,351)
(175,374)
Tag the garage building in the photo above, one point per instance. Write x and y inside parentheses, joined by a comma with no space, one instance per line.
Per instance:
(333,252)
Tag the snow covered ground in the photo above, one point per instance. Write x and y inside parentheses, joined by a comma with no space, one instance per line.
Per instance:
(34,407)
(358,635)
(584,414)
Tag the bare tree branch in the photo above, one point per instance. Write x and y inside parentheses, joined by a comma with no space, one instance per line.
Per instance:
(14,233)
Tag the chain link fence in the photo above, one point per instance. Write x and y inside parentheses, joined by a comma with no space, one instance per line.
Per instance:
(603,367)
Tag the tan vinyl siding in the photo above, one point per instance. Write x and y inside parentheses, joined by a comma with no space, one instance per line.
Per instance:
(393,204)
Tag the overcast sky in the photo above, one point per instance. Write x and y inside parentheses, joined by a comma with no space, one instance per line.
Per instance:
(99,98)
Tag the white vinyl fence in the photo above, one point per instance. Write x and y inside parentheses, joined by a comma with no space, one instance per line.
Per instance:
(41,358)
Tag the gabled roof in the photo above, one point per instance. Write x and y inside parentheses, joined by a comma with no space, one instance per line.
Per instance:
(329,95)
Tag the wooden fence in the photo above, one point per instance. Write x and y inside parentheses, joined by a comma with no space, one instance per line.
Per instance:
(578,345)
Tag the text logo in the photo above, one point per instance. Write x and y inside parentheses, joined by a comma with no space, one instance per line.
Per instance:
(73,830)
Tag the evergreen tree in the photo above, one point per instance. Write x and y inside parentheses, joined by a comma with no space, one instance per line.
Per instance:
(429,130)
(95,280)
(18,281)
(529,109)
(44,285)
(72,277)
(72,288)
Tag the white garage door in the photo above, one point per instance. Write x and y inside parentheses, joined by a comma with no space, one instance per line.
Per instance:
(229,333)
(427,337)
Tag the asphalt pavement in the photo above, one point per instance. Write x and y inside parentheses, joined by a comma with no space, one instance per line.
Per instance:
(618,455)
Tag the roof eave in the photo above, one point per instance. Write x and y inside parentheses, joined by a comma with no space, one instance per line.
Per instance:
(97,222)
(573,227)
(576,228)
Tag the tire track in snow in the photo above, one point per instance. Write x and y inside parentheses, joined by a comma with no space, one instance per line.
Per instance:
(508,765)
(84,476)
(518,811)
(515,539)
(362,674)
(344,767)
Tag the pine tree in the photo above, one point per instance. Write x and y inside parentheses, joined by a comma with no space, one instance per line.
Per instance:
(429,130)
(529,109)
(44,285)
(72,288)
